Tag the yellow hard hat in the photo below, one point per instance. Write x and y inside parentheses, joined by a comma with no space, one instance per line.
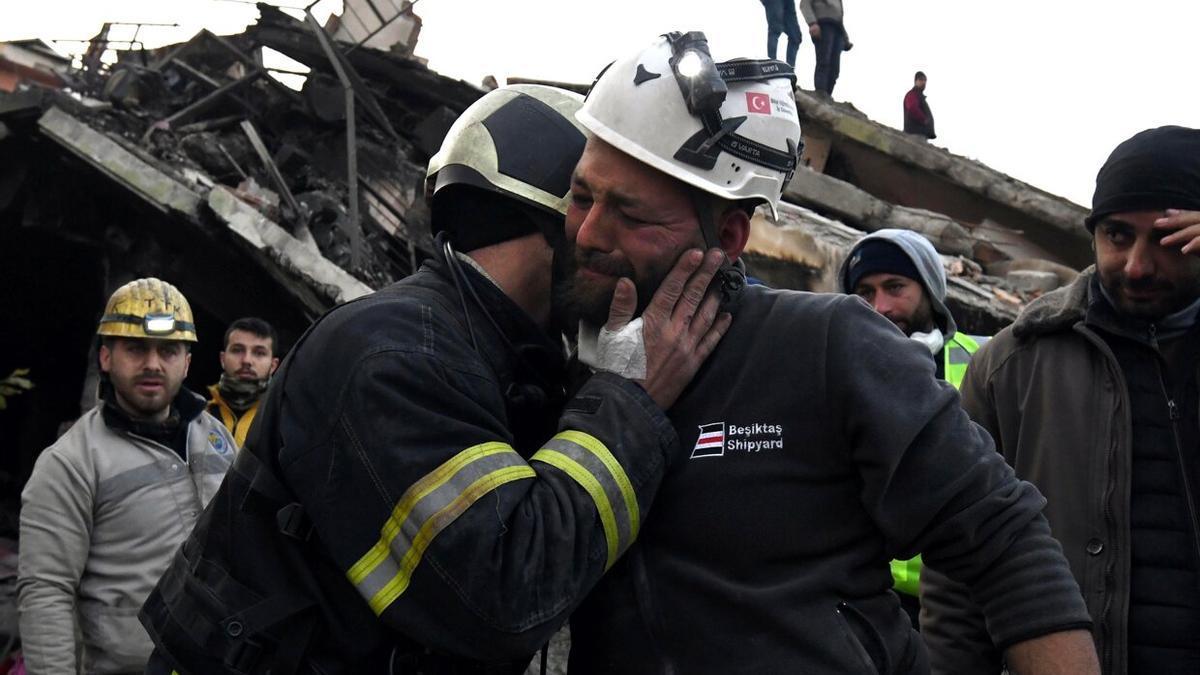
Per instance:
(148,308)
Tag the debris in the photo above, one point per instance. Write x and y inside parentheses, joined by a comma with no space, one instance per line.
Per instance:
(905,171)
(1007,297)
(1032,281)
(262,199)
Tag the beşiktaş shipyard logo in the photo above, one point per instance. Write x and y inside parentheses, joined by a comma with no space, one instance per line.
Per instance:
(717,438)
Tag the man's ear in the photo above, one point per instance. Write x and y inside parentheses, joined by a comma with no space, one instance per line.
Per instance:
(105,355)
(733,230)
(274,366)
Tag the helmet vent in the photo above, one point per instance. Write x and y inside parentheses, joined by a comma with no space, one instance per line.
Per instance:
(644,75)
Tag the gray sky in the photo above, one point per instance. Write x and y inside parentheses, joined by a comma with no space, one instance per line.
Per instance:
(1039,89)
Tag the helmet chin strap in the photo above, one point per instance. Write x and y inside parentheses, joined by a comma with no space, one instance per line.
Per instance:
(730,279)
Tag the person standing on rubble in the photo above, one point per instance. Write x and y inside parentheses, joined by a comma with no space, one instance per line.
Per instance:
(781,20)
(900,274)
(109,503)
(247,362)
(828,31)
(816,444)
(1093,394)
(918,118)
(404,503)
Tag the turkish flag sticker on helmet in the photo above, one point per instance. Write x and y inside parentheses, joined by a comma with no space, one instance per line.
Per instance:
(758,102)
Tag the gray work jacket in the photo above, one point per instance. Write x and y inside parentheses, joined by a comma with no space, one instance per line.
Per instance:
(101,516)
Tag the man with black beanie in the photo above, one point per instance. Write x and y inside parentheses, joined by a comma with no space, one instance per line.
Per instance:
(1093,394)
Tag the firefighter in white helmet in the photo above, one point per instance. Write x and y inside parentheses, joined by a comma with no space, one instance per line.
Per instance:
(816,444)
(419,494)
(109,503)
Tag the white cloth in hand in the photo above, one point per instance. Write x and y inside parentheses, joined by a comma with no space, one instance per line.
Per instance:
(621,351)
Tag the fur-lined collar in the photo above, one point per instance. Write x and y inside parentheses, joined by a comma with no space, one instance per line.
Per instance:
(1057,310)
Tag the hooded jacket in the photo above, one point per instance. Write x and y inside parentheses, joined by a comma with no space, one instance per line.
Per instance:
(101,517)
(928,263)
(1052,394)
(816,445)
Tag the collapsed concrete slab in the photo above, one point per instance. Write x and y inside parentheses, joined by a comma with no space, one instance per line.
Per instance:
(1019,219)
(805,250)
(314,281)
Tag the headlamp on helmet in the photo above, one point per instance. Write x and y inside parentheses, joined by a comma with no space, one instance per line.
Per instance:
(703,88)
(159,324)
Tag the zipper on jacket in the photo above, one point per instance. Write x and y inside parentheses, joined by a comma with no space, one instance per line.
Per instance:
(1110,575)
(1174,415)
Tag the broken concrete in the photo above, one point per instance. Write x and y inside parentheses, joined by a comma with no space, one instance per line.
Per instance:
(904,170)
(867,212)
(805,250)
(281,250)
(119,163)
(292,262)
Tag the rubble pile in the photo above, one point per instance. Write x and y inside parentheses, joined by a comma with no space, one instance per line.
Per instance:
(210,114)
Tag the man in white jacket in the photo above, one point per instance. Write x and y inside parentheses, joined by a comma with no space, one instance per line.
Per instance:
(110,502)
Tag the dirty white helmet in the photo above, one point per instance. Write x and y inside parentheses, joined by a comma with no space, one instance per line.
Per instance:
(729,129)
(520,141)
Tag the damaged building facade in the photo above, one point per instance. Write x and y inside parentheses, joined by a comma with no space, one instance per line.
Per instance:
(195,164)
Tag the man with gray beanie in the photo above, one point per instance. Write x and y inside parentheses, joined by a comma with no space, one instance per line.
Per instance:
(899,273)
(1093,395)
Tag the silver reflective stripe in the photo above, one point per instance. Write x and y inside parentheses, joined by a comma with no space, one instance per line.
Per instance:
(209,463)
(958,355)
(426,508)
(588,462)
(127,481)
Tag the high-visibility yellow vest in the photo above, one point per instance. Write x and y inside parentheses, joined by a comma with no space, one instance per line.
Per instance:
(956,354)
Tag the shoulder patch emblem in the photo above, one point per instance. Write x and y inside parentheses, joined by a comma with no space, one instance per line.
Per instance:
(217,443)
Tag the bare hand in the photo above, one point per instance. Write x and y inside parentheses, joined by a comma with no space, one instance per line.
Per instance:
(1070,652)
(1187,230)
(680,327)
(814,29)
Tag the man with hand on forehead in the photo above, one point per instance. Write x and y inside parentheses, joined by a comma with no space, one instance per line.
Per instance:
(1092,395)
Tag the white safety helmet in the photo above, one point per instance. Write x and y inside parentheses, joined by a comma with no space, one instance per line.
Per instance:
(661,107)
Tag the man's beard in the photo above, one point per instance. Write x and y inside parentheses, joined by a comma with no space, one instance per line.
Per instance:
(139,405)
(575,300)
(921,320)
(1170,298)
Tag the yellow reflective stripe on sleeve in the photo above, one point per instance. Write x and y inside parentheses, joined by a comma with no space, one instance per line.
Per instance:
(590,464)
(411,496)
(614,467)
(429,506)
(438,522)
(582,476)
